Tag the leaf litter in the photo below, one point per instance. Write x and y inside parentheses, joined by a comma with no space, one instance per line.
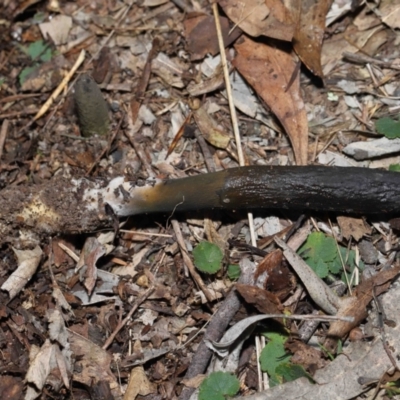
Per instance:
(124,316)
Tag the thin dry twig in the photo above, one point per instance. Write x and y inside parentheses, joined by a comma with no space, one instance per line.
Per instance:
(364,59)
(122,323)
(61,86)
(138,302)
(3,135)
(197,278)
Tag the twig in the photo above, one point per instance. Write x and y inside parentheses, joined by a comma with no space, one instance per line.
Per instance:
(122,323)
(364,59)
(3,134)
(228,87)
(188,261)
(144,80)
(60,87)
(145,233)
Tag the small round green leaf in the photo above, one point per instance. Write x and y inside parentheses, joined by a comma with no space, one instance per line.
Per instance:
(219,385)
(233,271)
(207,257)
(388,127)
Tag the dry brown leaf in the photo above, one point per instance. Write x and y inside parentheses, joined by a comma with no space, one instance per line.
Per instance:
(201,35)
(250,16)
(307,356)
(194,382)
(265,302)
(139,384)
(93,363)
(390,13)
(307,41)
(281,24)
(351,41)
(91,252)
(261,17)
(209,129)
(274,275)
(269,71)
(354,227)
(356,305)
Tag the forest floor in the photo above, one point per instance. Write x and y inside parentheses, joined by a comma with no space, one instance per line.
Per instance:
(122,313)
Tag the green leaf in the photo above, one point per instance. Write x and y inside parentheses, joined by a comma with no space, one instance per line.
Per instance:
(207,257)
(233,271)
(394,167)
(273,355)
(37,49)
(318,246)
(321,269)
(388,127)
(318,251)
(218,385)
(290,372)
(321,254)
(26,72)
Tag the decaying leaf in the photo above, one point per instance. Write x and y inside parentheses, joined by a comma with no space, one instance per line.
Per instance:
(265,302)
(390,13)
(57,28)
(42,362)
(353,227)
(356,305)
(139,384)
(93,363)
(307,41)
(201,35)
(269,71)
(209,129)
(91,252)
(261,17)
(307,356)
(274,275)
(28,261)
